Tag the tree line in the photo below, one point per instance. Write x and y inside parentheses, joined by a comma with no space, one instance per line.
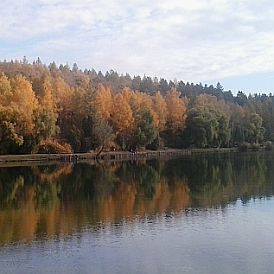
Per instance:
(46,109)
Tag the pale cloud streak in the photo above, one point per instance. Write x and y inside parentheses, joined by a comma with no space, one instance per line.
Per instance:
(197,40)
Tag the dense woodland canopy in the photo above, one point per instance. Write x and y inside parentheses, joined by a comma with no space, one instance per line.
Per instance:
(62,109)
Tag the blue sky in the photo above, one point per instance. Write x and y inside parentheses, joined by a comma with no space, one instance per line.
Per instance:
(206,41)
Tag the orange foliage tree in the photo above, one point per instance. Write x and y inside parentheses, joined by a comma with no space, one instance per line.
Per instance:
(176,110)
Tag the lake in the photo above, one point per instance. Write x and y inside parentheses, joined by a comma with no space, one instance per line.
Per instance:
(202,214)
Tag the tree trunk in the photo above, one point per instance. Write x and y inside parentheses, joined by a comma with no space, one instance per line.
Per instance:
(99,152)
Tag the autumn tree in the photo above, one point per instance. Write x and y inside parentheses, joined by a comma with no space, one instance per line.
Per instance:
(5,91)
(160,109)
(122,120)
(103,102)
(206,100)
(62,94)
(10,136)
(176,110)
(46,115)
(18,108)
(75,121)
(24,101)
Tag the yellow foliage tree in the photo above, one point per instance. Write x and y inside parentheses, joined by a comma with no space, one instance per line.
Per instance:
(206,100)
(47,100)
(103,102)
(62,94)
(46,116)
(139,102)
(24,101)
(122,116)
(135,101)
(5,90)
(160,109)
(176,110)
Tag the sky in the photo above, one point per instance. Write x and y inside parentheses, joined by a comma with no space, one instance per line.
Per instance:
(231,41)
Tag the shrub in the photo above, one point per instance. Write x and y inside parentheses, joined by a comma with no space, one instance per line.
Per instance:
(50,146)
(155,144)
(255,147)
(244,147)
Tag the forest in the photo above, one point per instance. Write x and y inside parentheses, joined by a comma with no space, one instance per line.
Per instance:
(59,109)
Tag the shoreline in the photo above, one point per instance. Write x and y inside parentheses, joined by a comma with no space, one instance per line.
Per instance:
(107,156)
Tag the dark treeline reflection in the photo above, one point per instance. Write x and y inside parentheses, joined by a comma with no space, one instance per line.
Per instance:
(60,199)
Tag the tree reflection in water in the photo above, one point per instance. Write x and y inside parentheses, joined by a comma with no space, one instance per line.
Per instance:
(59,199)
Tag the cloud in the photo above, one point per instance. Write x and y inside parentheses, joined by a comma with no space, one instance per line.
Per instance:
(198,40)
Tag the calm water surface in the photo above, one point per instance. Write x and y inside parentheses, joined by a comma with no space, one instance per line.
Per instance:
(204,214)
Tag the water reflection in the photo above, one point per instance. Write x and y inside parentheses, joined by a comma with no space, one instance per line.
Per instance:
(60,199)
